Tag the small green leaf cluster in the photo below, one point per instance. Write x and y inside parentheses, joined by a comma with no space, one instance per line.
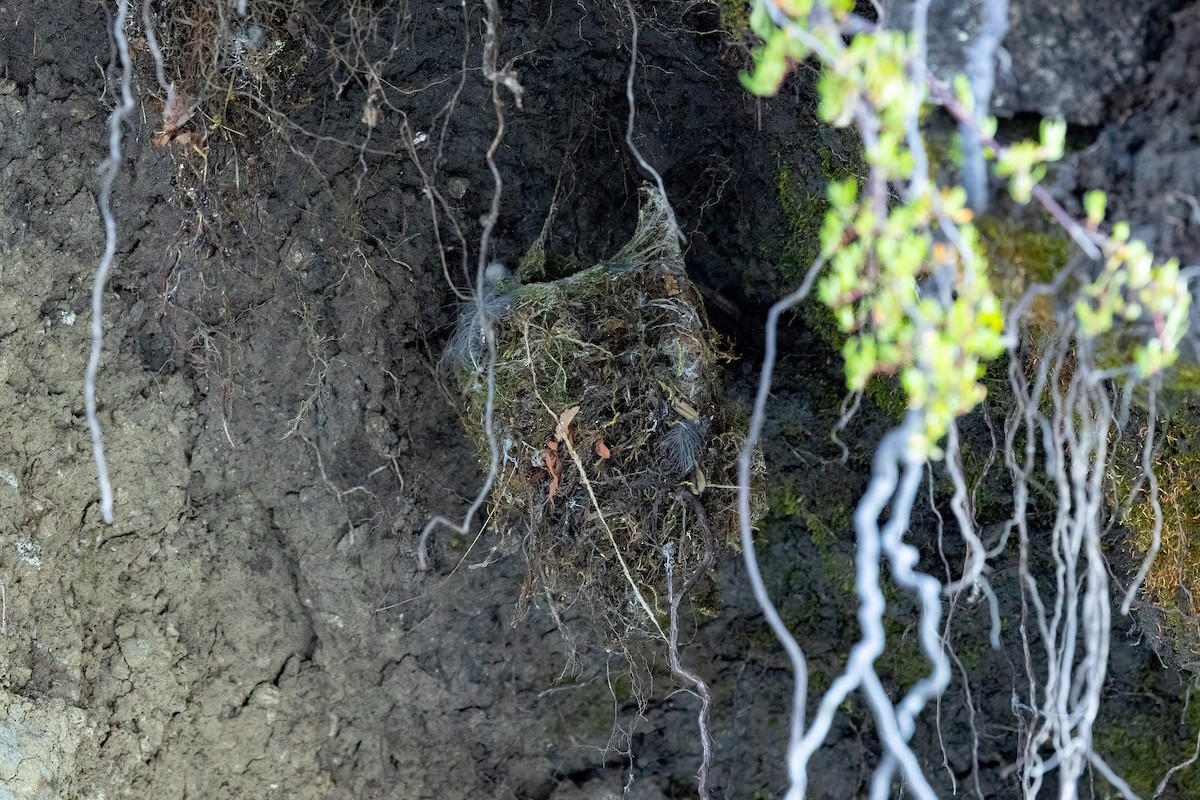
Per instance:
(882,284)
(1024,163)
(1134,287)
(907,279)
(783,46)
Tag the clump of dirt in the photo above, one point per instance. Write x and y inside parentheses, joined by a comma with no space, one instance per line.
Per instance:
(617,450)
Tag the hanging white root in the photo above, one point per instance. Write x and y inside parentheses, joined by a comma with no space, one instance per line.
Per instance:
(108,171)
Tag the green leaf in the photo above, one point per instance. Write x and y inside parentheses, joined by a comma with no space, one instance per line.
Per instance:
(1054,138)
(859,354)
(770,67)
(1094,203)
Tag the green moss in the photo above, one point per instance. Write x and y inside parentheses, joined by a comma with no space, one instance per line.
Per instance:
(829,525)
(1117,350)
(973,654)
(748,287)
(819,319)
(539,265)
(836,167)
(1184,378)
(1177,468)
(735,19)
(1142,746)
(888,396)
(800,192)
(818,682)
(1020,255)
(903,664)
(783,502)
(1181,385)
(826,519)
(803,215)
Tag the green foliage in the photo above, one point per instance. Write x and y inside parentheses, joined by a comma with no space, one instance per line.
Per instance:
(1095,203)
(1024,163)
(773,57)
(937,348)
(1133,287)
(907,280)
(878,256)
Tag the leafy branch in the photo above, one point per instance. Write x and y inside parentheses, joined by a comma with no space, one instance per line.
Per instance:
(907,278)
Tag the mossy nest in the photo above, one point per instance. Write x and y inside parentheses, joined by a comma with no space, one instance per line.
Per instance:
(618,452)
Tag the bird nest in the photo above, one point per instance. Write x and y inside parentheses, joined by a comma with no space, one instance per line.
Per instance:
(617,451)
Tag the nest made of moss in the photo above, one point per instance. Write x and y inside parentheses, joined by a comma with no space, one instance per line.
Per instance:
(618,452)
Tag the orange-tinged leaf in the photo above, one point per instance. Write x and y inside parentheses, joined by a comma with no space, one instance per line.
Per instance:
(602,449)
(553,466)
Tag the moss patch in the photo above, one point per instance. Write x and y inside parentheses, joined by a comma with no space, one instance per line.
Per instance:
(826,517)
(800,192)
(1019,256)
(1032,256)
(803,215)
(1172,585)
(735,19)
(1142,747)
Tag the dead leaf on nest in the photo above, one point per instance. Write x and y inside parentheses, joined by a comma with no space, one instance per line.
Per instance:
(177,112)
(563,432)
(553,466)
(602,450)
(671,283)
